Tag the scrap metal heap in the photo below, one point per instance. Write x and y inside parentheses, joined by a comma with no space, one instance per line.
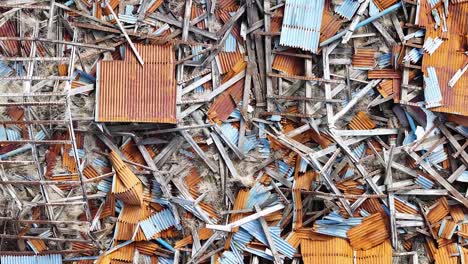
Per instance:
(233,131)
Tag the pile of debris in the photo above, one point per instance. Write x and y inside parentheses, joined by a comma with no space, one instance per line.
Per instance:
(233,131)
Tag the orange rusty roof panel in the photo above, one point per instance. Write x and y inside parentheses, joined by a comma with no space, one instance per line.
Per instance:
(288,64)
(126,186)
(384,74)
(381,254)
(385,87)
(449,58)
(371,232)
(457,213)
(361,121)
(384,4)
(438,211)
(129,92)
(442,255)
(363,59)
(225,104)
(334,250)
(227,60)
(330,25)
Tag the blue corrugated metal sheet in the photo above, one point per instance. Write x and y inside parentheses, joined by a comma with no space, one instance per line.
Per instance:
(437,157)
(231,44)
(195,50)
(157,223)
(238,244)
(385,60)
(163,260)
(228,258)
(187,153)
(335,225)
(347,9)
(463,177)
(46,259)
(5,70)
(257,195)
(373,9)
(101,162)
(431,45)
(359,150)
(105,185)
(303,165)
(13,133)
(264,148)
(255,229)
(424,182)
(414,55)
(301,29)
(432,94)
(231,132)
(285,169)
(260,253)
(433,2)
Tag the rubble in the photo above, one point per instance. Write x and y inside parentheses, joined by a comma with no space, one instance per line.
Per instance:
(233,131)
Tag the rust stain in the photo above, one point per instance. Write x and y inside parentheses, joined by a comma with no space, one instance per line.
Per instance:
(129,92)
(439,210)
(384,4)
(384,74)
(330,25)
(127,187)
(288,64)
(371,232)
(361,121)
(334,250)
(364,58)
(448,58)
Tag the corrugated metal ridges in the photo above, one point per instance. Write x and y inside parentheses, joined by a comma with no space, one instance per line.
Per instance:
(385,87)
(46,259)
(383,74)
(456,212)
(372,232)
(300,29)
(196,12)
(443,255)
(334,250)
(445,61)
(227,60)
(203,234)
(438,211)
(363,59)
(361,121)
(347,9)
(288,64)
(129,92)
(223,106)
(127,187)
(384,4)
(9,30)
(381,254)
(330,25)
(432,93)
(128,220)
(405,207)
(125,253)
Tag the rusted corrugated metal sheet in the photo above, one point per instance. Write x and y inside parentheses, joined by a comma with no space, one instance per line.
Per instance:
(225,104)
(277,20)
(228,59)
(129,92)
(446,62)
(457,213)
(439,211)
(9,30)
(124,253)
(196,12)
(288,64)
(384,74)
(372,206)
(403,206)
(372,232)
(128,220)
(203,234)
(381,254)
(384,4)
(363,59)
(330,25)
(361,121)
(192,180)
(127,187)
(334,250)
(385,87)
(228,5)
(442,255)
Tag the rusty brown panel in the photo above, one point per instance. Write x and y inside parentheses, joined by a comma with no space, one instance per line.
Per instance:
(384,74)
